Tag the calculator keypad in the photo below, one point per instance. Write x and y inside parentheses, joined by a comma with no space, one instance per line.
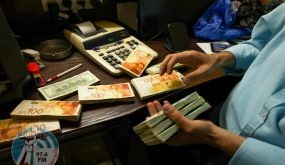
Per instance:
(115,54)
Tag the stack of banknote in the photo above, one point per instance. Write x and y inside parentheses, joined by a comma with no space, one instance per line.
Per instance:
(154,69)
(135,64)
(68,86)
(158,128)
(39,109)
(105,93)
(10,128)
(152,85)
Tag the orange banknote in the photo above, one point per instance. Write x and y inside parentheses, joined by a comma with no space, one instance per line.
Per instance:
(105,93)
(137,61)
(10,128)
(151,85)
(39,109)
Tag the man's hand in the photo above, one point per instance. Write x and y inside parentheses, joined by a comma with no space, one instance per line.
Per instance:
(193,131)
(202,63)
(197,131)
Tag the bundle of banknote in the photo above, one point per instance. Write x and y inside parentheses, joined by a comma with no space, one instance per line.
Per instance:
(154,69)
(135,64)
(105,93)
(158,128)
(10,128)
(152,85)
(68,86)
(39,109)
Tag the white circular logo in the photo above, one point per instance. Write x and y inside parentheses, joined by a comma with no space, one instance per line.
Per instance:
(35,147)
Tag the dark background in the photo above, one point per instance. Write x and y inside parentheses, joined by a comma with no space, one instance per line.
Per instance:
(27,17)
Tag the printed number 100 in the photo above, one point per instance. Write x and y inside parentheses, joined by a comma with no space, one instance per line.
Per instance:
(35,110)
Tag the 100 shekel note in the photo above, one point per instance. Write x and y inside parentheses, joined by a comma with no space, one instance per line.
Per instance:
(10,128)
(137,61)
(68,86)
(105,93)
(39,109)
(151,85)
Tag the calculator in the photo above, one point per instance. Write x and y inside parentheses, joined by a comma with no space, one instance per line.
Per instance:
(108,46)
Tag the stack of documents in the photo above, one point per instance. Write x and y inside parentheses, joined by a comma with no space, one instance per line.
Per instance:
(158,128)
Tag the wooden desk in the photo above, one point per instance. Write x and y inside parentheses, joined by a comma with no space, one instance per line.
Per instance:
(100,113)
(98,117)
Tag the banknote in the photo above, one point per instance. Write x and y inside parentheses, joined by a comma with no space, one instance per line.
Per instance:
(158,128)
(10,128)
(162,125)
(135,64)
(40,109)
(68,86)
(154,69)
(105,93)
(153,139)
(158,117)
(152,85)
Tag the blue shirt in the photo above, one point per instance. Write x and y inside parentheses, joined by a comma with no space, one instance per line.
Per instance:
(256,106)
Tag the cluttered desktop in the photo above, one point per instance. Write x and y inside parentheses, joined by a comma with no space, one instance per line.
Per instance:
(95,76)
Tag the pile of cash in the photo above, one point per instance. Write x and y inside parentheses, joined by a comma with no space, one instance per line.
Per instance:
(68,86)
(158,128)
(105,93)
(152,85)
(10,128)
(40,109)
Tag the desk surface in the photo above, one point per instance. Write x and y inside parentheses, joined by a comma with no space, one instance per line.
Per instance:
(95,116)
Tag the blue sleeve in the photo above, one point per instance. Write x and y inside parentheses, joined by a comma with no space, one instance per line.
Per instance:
(267,145)
(246,52)
(254,151)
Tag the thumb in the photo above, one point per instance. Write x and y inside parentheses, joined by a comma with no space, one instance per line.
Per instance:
(173,114)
